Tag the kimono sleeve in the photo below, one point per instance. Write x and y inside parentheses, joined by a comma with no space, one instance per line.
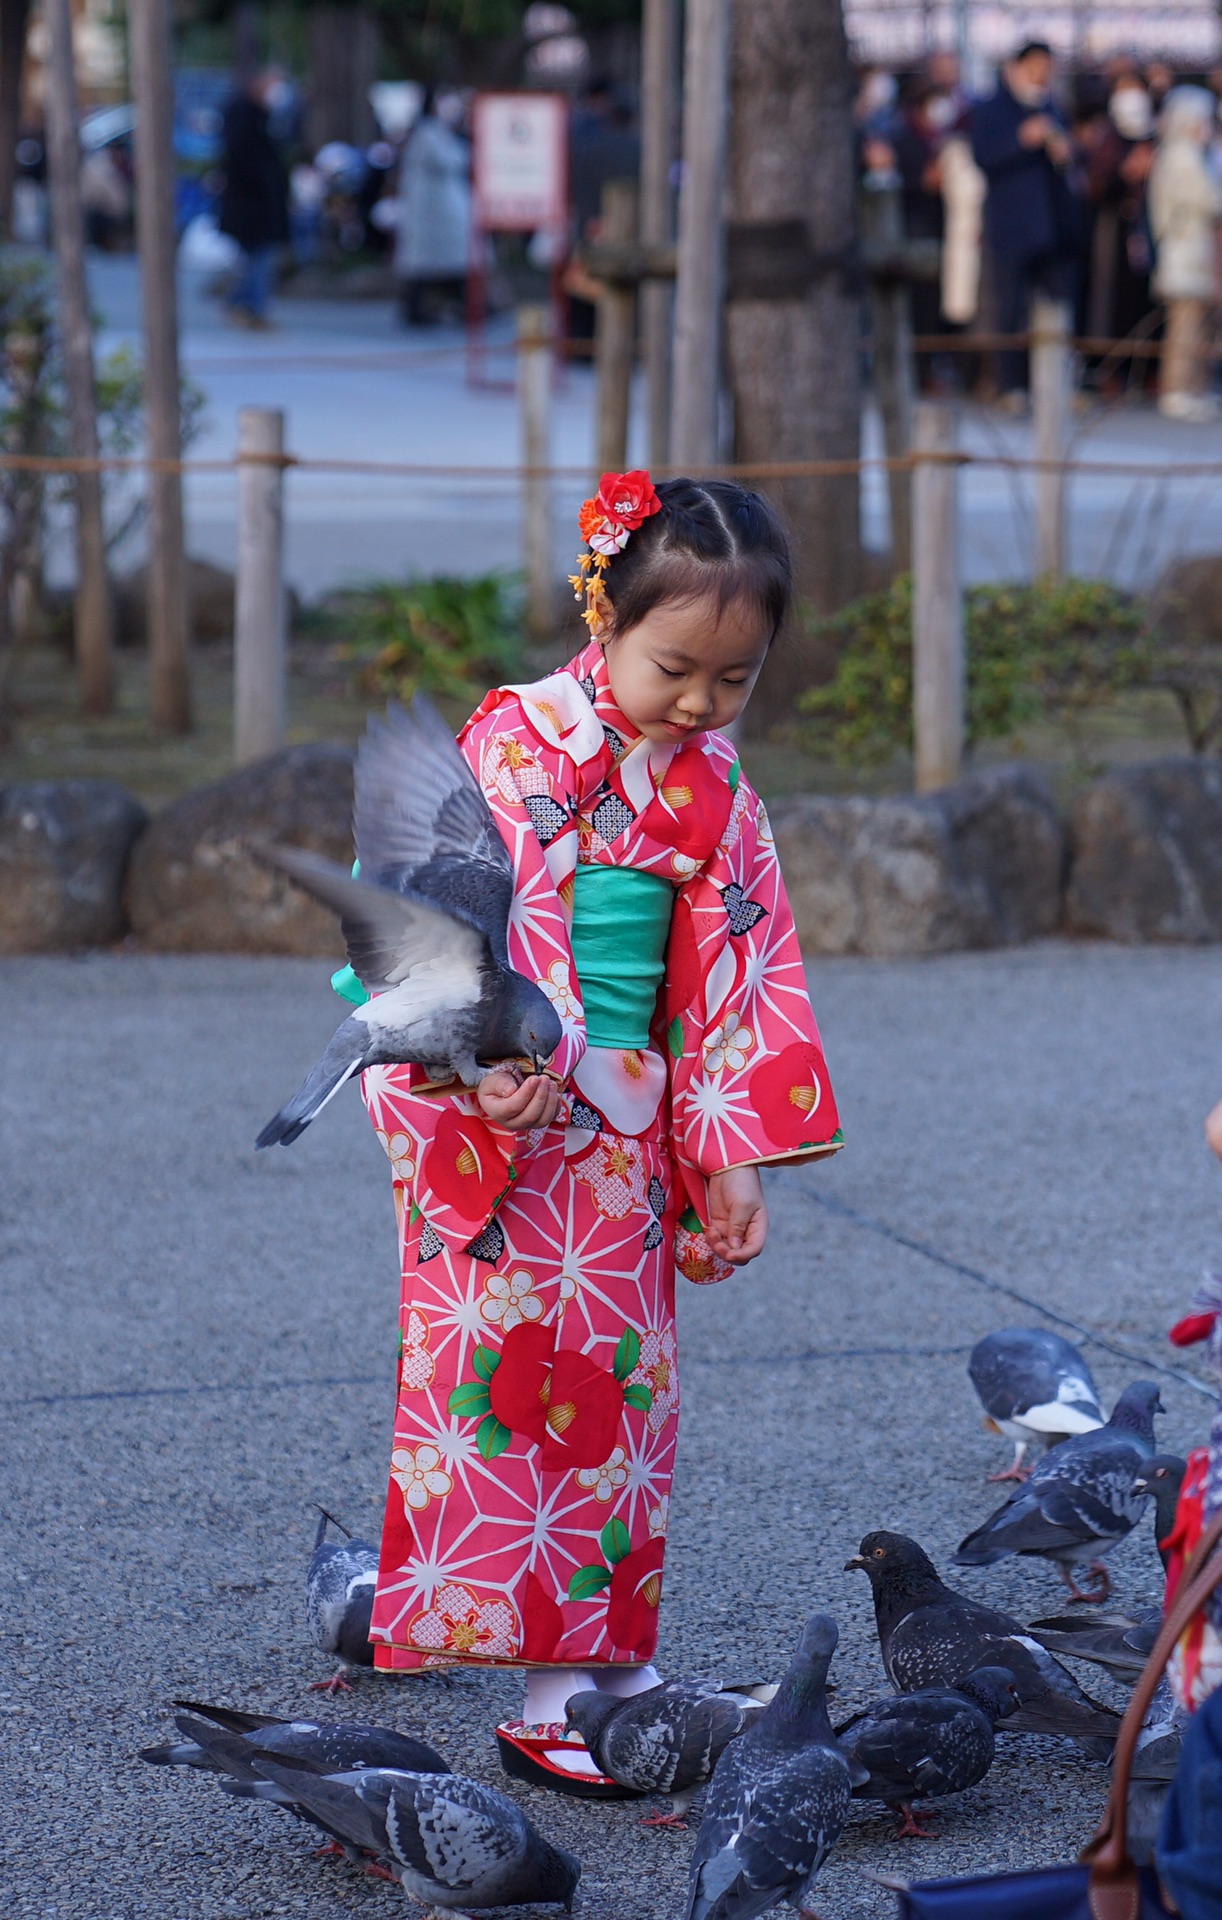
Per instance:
(749,1083)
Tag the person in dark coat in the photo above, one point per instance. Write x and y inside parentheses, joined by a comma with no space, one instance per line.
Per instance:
(254,207)
(1032,213)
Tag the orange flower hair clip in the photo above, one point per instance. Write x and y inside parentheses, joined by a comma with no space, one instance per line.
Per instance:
(622,503)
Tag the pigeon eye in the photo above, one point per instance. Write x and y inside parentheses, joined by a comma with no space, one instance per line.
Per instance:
(880,1553)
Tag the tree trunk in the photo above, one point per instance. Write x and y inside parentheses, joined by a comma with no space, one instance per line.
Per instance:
(793,316)
(93,624)
(343,67)
(14,18)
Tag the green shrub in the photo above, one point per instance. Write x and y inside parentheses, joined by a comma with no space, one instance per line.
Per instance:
(1050,650)
(442,636)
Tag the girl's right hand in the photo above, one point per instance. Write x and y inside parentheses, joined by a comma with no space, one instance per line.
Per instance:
(518,1105)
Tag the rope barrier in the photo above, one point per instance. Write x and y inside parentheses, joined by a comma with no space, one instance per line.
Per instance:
(729,470)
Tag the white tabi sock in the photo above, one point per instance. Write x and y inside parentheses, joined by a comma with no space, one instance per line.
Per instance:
(625,1681)
(547,1691)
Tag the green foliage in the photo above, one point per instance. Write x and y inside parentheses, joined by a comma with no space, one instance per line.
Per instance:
(443,635)
(1051,650)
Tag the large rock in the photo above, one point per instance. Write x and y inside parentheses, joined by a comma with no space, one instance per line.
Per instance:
(195,885)
(64,847)
(980,864)
(210,600)
(1147,853)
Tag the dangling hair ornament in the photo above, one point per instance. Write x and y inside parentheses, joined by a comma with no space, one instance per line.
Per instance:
(622,502)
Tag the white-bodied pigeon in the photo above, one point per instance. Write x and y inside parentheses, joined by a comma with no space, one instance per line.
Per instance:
(1033,1385)
(425,924)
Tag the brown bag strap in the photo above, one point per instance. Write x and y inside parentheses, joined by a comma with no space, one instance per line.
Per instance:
(1114,1890)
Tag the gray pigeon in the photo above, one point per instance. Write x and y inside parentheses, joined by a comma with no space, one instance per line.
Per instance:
(1033,1385)
(425,924)
(450,1842)
(339,1600)
(931,1636)
(1079,1500)
(778,1798)
(665,1740)
(930,1743)
(225,1741)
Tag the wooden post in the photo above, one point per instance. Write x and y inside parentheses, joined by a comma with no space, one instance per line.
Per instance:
(1051,402)
(614,337)
(882,221)
(259,638)
(149,40)
(93,619)
(937,603)
(534,400)
(700,264)
(659,48)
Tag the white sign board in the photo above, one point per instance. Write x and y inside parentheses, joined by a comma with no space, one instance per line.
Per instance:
(521,161)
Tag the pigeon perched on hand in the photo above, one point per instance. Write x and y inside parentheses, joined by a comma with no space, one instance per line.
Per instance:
(339,1600)
(931,1636)
(426,923)
(1033,1385)
(778,1798)
(450,1842)
(930,1743)
(665,1740)
(1079,1500)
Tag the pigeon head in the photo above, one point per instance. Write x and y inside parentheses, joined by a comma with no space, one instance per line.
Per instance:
(589,1713)
(993,1690)
(800,1702)
(894,1562)
(1135,1410)
(1160,1480)
(557,1878)
(529,1026)
(820,1637)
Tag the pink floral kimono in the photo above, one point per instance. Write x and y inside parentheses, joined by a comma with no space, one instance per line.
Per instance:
(538,1388)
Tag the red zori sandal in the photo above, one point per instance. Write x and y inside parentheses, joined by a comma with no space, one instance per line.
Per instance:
(557,1758)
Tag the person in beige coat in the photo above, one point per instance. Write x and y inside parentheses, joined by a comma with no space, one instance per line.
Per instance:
(1185,203)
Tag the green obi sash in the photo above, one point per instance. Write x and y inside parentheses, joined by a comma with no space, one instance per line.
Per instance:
(621,919)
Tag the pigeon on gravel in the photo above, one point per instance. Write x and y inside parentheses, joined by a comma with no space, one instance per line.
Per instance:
(665,1740)
(224,1741)
(1033,1385)
(1079,1500)
(931,1636)
(930,1743)
(339,1600)
(425,923)
(778,1798)
(450,1842)
(322,1746)
(1122,1641)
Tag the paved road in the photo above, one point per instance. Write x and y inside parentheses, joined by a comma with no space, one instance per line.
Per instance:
(355,385)
(203,1344)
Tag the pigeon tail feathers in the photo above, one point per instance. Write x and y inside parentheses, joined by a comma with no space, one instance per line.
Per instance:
(344,1056)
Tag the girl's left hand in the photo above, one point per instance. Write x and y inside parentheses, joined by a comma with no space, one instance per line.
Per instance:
(738,1217)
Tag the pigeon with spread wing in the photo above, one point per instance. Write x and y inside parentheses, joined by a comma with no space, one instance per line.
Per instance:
(426,923)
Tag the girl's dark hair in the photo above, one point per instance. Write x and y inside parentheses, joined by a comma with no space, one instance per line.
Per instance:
(711,538)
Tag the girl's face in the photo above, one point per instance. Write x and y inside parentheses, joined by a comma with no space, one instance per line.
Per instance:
(685,668)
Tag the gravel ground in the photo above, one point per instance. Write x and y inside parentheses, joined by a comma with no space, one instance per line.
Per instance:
(202,1344)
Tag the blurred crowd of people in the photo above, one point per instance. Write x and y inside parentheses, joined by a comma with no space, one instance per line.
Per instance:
(1104,192)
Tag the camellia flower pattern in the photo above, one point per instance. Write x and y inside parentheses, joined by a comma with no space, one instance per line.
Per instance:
(539,1383)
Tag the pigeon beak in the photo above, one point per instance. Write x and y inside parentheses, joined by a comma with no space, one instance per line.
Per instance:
(856,1561)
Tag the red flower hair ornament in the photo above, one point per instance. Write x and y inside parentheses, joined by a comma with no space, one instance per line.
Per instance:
(622,504)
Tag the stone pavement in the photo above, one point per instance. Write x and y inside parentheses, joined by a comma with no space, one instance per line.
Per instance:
(356,385)
(201,1344)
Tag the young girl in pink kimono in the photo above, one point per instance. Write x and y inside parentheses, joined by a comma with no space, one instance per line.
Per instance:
(543,1219)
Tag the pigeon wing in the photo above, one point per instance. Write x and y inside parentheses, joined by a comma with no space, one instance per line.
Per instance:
(416,799)
(331,1801)
(450,1830)
(796,1816)
(345,1747)
(387,934)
